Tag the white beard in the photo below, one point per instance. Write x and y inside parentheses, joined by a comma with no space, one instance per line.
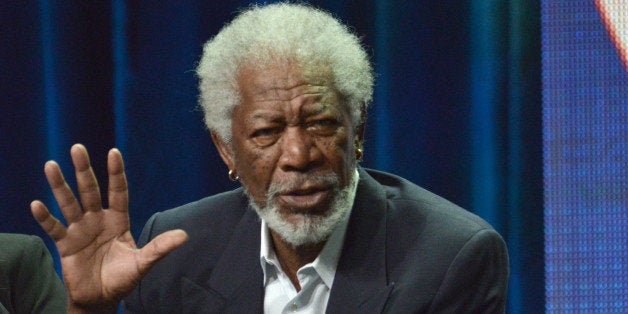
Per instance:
(309,229)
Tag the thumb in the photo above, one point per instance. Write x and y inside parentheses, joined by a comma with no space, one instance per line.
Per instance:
(159,247)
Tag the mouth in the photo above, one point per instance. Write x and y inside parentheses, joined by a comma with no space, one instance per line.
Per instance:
(310,200)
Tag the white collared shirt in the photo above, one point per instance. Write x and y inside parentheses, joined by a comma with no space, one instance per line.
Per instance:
(315,278)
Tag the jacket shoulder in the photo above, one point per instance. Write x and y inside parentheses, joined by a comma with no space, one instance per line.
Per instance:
(217,210)
(409,201)
(436,249)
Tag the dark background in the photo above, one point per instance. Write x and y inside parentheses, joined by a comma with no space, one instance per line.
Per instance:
(457,106)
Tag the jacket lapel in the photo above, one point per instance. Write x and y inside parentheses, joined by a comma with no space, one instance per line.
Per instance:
(360,284)
(236,283)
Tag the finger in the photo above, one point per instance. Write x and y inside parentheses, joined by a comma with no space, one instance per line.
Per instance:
(118,188)
(53,227)
(63,194)
(159,247)
(88,188)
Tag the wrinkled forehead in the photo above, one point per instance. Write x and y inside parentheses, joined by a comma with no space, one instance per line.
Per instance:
(286,73)
(285,82)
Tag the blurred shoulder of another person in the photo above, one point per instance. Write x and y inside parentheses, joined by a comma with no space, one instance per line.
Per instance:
(28,281)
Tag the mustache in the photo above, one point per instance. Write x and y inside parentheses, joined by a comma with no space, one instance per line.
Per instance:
(329,180)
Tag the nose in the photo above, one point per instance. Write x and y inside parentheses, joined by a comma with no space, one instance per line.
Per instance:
(298,150)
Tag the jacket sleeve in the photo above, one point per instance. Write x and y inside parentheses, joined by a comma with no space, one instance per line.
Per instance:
(477,279)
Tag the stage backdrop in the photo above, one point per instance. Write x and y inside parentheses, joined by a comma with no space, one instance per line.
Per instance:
(585,129)
(457,106)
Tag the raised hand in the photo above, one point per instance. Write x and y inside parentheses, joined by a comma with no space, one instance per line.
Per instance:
(100,260)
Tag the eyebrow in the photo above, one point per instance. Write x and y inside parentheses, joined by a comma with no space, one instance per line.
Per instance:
(318,108)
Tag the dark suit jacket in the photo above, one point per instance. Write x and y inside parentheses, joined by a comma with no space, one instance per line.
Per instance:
(28,281)
(406,251)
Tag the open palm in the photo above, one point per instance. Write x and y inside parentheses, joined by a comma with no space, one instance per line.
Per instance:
(100,260)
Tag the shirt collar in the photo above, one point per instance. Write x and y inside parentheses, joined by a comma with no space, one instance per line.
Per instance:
(325,263)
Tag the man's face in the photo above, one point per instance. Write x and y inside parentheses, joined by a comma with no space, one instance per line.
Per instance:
(292,134)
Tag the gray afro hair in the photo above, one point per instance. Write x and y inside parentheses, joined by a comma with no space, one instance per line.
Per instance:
(265,35)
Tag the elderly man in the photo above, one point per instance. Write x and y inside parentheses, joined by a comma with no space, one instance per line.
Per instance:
(285,89)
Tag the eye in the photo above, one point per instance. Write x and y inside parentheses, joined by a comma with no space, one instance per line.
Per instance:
(265,132)
(323,126)
(266,136)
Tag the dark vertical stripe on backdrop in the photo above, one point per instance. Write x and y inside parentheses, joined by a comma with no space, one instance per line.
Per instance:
(487,67)
(383,139)
(505,138)
(490,40)
(525,171)
(121,71)
(50,103)
(50,88)
(514,180)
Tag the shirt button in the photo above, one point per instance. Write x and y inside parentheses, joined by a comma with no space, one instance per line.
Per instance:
(293,307)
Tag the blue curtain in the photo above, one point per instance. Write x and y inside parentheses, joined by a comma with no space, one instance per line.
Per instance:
(457,106)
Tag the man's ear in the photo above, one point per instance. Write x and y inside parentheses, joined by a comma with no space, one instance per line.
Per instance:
(224,150)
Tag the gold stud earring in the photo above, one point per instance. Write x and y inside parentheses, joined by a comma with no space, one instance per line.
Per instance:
(233,176)
(359,154)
